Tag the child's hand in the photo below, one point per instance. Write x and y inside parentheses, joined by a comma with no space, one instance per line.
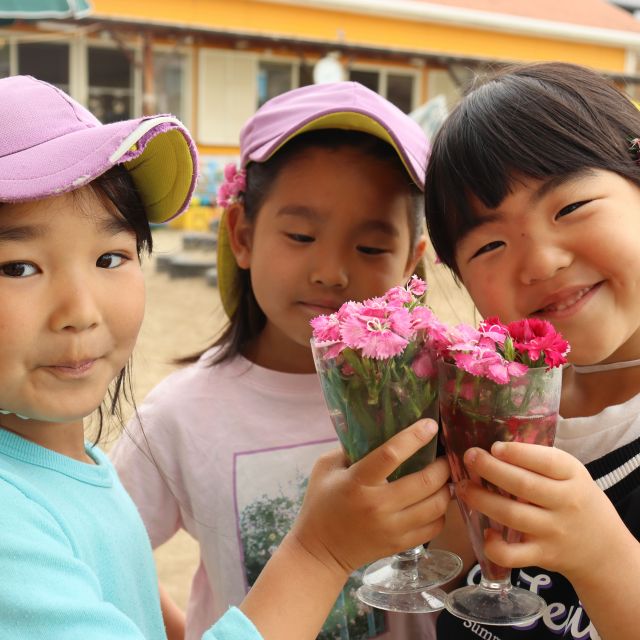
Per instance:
(559,510)
(352,515)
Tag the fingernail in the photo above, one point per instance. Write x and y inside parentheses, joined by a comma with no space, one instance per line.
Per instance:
(470,456)
(497,449)
(429,427)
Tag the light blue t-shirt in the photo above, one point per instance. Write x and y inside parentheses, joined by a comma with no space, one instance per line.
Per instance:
(75,559)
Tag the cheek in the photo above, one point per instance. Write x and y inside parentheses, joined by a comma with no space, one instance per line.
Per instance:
(490,294)
(128,317)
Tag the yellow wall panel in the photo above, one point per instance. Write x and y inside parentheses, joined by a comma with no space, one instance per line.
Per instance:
(378,31)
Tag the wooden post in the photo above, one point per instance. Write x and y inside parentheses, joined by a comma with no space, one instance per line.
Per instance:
(148,88)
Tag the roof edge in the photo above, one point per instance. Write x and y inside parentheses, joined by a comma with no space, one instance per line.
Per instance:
(461,17)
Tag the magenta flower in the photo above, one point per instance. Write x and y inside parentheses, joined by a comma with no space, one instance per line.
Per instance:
(502,352)
(377,337)
(398,297)
(538,339)
(326,328)
(233,186)
(416,286)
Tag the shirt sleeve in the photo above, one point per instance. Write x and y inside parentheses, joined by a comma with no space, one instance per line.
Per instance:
(233,625)
(147,465)
(46,591)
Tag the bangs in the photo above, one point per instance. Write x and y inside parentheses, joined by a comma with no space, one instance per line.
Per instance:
(519,126)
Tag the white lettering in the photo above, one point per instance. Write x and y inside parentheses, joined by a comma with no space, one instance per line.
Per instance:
(535,583)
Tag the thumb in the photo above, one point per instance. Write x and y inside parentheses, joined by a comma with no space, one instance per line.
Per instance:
(376,466)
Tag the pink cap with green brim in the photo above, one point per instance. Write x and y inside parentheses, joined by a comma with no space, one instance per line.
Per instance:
(51,144)
(335,105)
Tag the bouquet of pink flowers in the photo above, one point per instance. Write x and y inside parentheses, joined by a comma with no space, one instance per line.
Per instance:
(501,371)
(377,365)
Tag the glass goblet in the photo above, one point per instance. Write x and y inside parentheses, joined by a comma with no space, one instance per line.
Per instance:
(476,412)
(369,402)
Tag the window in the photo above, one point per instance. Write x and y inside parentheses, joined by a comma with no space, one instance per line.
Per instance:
(110,84)
(400,91)
(170,78)
(227,94)
(397,87)
(370,79)
(46,61)
(274,78)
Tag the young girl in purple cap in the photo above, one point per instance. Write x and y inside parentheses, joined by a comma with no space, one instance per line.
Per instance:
(539,169)
(324,208)
(76,198)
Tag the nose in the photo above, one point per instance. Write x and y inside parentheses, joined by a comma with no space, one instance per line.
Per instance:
(330,268)
(541,259)
(75,305)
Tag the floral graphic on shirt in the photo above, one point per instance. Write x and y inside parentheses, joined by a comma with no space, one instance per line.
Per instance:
(266,511)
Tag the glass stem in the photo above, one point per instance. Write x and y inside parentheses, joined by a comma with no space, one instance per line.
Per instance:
(410,554)
(407,562)
(501,585)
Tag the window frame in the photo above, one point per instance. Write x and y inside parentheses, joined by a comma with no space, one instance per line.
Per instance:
(384,71)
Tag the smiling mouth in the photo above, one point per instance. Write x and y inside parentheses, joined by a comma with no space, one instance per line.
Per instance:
(73,368)
(567,303)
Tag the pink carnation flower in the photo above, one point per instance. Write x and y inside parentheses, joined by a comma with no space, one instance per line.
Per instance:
(417,286)
(377,337)
(536,338)
(326,328)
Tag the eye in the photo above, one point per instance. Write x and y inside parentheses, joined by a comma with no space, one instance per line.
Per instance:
(372,251)
(491,246)
(18,270)
(110,260)
(570,208)
(300,237)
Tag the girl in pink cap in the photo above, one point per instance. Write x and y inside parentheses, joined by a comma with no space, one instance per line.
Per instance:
(76,198)
(325,207)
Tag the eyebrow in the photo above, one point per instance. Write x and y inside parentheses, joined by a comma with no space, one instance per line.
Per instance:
(113,225)
(22,232)
(558,181)
(544,189)
(308,213)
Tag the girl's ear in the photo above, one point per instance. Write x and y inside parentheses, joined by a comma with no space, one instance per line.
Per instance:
(417,256)
(240,232)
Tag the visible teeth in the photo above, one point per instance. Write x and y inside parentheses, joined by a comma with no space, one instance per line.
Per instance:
(569,301)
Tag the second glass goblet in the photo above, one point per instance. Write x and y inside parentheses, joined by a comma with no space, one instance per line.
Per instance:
(367,408)
(476,412)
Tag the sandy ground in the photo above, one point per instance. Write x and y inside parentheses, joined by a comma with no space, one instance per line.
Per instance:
(182,317)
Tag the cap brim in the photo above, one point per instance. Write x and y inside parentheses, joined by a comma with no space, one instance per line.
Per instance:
(352,121)
(157,151)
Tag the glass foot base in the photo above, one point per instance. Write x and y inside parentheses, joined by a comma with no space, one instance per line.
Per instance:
(416,602)
(495,607)
(399,574)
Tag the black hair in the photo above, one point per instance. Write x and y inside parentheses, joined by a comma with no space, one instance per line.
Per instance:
(533,121)
(248,320)
(118,192)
